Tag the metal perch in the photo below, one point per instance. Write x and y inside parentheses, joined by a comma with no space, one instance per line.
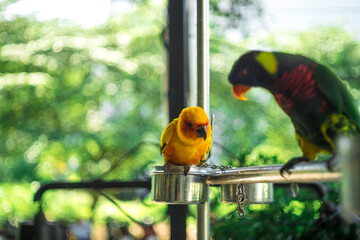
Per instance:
(304,172)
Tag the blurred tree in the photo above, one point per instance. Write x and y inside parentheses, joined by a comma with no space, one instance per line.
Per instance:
(73,100)
(235,14)
(68,96)
(5,3)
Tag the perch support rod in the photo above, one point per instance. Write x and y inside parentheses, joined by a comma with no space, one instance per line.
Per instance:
(301,173)
(203,95)
(97,184)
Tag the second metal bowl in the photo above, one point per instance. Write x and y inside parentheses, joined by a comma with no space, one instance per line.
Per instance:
(256,193)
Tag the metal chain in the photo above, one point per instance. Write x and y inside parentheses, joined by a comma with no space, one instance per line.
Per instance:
(213,166)
(294,187)
(240,200)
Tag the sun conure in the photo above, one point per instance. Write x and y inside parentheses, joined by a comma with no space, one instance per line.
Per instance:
(313,96)
(186,140)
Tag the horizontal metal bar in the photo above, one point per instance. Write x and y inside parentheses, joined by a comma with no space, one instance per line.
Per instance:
(98,184)
(302,172)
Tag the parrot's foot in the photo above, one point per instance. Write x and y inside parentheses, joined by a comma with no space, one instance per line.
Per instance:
(186,169)
(331,163)
(291,163)
(168,167)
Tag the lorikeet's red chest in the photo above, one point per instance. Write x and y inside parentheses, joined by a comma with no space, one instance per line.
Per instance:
(295,86)
(298,94)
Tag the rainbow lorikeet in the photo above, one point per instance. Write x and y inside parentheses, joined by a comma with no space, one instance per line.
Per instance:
(313,96)
(186,140)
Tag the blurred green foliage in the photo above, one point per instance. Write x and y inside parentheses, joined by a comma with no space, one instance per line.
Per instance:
(235,14)
(16,202)
(301,217)
(74,100)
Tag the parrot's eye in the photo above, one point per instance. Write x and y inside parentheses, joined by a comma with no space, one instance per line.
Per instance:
(243,72)
(190,125)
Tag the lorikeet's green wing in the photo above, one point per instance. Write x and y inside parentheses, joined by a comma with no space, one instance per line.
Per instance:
(336,93)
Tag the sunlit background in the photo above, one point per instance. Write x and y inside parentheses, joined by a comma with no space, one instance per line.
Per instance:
(81,83)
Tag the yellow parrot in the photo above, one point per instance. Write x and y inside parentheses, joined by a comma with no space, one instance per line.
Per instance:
(186,140)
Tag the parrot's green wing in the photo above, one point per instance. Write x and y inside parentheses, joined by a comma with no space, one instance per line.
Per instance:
(208,152)
(167,134)
(336,92)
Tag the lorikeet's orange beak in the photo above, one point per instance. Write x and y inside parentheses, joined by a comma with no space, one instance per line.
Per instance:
(239,91)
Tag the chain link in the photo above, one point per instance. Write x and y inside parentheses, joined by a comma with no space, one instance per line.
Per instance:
(240,189)
(213,166)
(240,200)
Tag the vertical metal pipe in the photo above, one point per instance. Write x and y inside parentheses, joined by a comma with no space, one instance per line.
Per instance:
(178,87)
(203,82)
(203,54)
(178,75)
(192,38)
(203,218)
(349,155)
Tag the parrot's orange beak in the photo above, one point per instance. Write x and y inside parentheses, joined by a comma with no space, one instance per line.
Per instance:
(239,91)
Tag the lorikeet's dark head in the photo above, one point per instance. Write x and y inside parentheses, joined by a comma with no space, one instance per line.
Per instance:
(254,68)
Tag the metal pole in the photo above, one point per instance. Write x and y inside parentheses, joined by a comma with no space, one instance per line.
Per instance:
(178,88)
(349,153)
(192,43)
(203,48)
(304,173)
(97,184)
(203,210)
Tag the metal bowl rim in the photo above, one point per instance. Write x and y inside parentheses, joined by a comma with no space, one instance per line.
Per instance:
(180,170)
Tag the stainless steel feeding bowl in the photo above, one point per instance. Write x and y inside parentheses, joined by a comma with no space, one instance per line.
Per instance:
(176,188)
(256,193)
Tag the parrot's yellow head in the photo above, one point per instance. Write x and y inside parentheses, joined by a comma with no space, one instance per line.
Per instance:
(193,124)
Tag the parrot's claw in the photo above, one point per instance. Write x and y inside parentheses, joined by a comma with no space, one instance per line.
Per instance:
(168,167)
(331,163)
(285,169)
(186,169)
(291,163)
